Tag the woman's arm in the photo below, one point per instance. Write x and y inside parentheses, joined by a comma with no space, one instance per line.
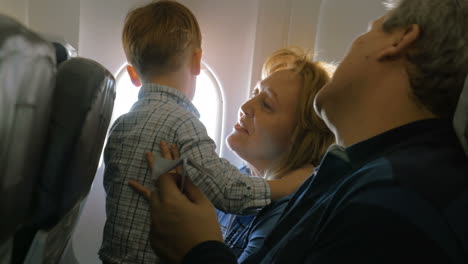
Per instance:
(289,183)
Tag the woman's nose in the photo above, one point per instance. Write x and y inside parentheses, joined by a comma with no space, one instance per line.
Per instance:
(246,109)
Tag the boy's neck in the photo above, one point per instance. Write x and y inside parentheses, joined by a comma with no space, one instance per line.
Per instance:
(180,81)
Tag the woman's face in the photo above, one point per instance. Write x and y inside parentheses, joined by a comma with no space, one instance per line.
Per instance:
(267,120)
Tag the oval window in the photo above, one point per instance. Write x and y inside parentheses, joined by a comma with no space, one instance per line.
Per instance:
(207,99)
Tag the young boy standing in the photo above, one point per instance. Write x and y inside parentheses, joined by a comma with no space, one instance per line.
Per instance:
(162,42)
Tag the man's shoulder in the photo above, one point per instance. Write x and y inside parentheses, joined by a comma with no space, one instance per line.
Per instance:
(378,232)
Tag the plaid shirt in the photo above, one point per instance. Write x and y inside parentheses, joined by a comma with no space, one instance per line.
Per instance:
(163,113)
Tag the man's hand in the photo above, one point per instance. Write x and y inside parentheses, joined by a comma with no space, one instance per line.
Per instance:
(180,221)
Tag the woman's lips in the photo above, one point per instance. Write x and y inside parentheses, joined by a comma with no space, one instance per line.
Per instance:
(238,126)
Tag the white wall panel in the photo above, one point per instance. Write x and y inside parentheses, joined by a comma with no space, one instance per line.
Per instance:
(101,23)
(17,9)
(340,22)
(283,23)
(228,29)
(57,17)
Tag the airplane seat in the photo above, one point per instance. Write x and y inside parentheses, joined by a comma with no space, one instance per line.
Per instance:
(460,119)
(27,71)
(457,213)
(82,108)
(61,53)
(63,49)
(60,41)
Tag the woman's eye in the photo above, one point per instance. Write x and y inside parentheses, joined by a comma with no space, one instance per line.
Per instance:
(266,105)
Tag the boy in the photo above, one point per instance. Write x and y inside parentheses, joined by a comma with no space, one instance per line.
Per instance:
(162,42)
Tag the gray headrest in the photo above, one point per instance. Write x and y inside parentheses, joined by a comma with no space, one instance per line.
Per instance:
(16,42)
(460,119)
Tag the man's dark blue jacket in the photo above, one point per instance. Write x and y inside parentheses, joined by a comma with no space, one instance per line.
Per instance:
(373,202)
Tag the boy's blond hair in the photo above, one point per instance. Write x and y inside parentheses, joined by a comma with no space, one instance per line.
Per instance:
(311,137)
(157,36)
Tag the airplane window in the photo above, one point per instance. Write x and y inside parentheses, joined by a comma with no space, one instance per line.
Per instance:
(208,100)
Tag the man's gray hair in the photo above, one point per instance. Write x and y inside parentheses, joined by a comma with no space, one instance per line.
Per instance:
(439,58)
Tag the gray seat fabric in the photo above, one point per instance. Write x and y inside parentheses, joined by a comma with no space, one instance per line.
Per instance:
(460,119)
(458,212)
(27,71)
(82,108)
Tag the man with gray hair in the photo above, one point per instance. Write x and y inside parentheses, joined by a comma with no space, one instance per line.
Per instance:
(395,187)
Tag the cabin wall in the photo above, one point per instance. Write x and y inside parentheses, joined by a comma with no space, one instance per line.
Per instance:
(340,21)
(56,18)
(59,18)
(101,26)
(283,23)
(228,29)
(17,9)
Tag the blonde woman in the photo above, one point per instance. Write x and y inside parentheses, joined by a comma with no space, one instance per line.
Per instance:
(290,73)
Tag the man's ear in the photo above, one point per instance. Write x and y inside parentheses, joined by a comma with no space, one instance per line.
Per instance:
(403,39)
(196,61)
(133,76)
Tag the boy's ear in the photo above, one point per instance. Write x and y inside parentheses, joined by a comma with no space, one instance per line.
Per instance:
(403,39)
(196,61)
(133,76)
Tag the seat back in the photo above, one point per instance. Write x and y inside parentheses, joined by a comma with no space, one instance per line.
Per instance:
(460,119)
(27,70)
(83,103)
(457,212)
(82,108)
(457,217)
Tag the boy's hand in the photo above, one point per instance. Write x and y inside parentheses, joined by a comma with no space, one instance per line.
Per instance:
(170,153)
(289,183)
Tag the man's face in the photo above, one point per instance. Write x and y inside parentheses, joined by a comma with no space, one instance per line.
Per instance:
(350,83)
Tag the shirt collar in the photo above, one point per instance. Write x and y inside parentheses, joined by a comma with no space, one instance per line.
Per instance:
(149,90)
(339,161)
(364,151)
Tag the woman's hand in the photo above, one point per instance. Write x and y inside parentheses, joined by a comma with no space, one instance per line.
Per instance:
(180,221)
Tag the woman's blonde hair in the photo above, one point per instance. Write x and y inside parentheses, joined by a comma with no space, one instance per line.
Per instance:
(311,137)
